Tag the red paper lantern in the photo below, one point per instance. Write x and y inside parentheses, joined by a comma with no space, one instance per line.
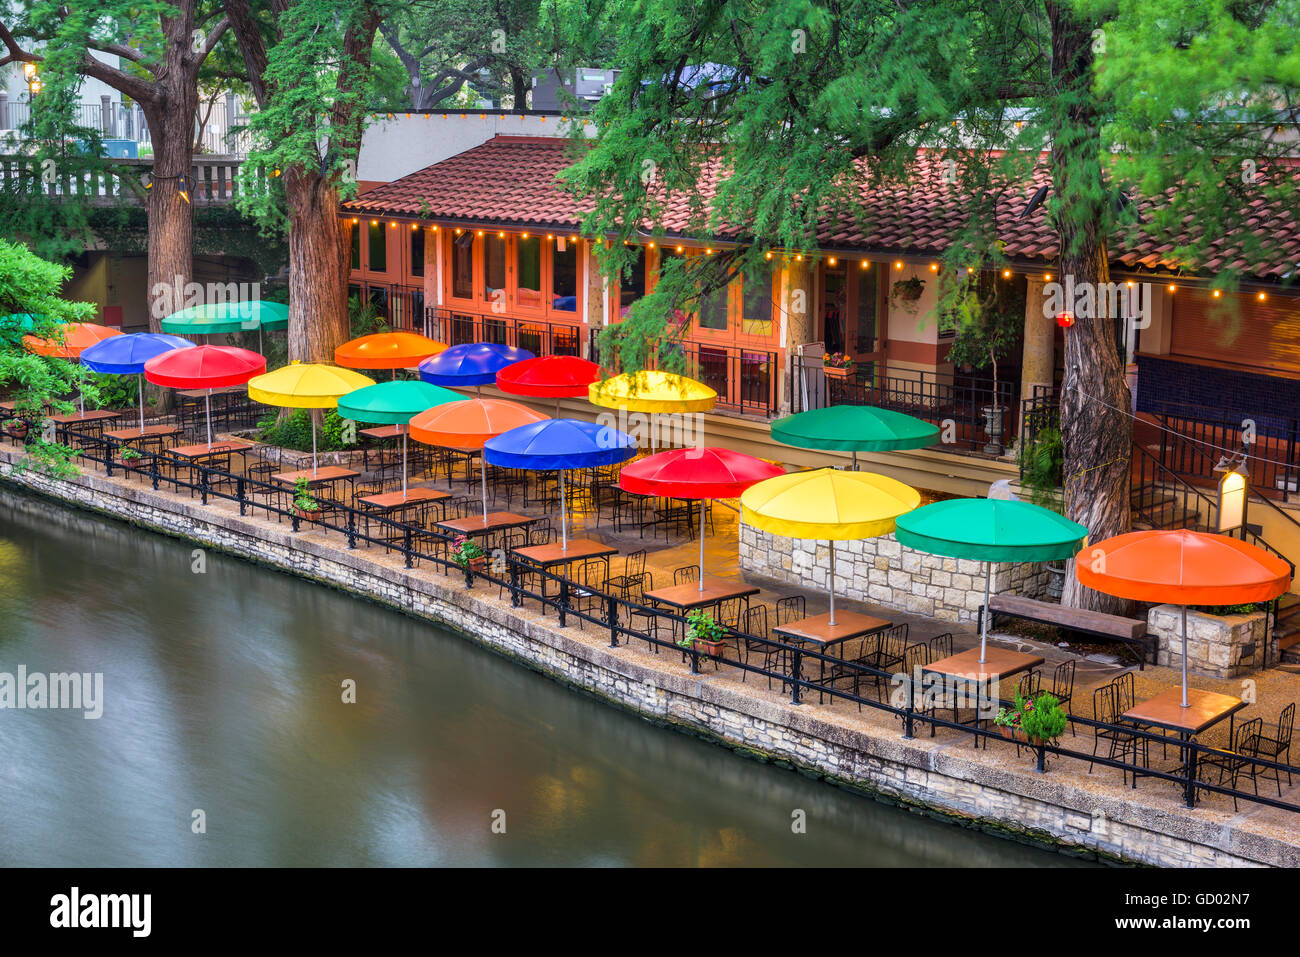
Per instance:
(1065,319)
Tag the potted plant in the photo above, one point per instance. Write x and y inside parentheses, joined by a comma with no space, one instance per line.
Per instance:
(1042,719)
(1007,721)
(838,363)
(989,316)
(304,502)
(17,427)
(909,290)
(705,633)
(129,457)
(469,554)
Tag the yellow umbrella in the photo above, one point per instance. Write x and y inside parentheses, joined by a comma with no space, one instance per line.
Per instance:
(828,504)
(652,391)
(306,385)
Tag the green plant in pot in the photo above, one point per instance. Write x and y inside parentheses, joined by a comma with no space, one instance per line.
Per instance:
(1041,461)
(988,314)
(468,553)
(705,633)
(305,503)
(129,457)
(1042,719)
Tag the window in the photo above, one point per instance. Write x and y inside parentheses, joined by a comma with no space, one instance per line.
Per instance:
(564,276)
(631,282)
(528,270)
(356,245)
(462,266)
(713,309)
(494,272)
(868,303)
(378,251)
(417,252)
(756,304)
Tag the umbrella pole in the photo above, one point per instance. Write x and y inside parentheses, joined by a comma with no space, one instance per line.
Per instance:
(482,472)
(1184,608)
(403,466)
(207,414)
(984,618)
(855,460)
(312,416)
(139,388)
(564,516)
(701,544)
(260,348)
(832,583)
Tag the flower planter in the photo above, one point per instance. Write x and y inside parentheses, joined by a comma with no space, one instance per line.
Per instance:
(17,429)
(993,421)
(711,648)
(839,372)
(128,463)
(307,514)
(479,564)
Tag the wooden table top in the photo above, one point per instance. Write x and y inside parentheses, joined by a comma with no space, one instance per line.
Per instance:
(202,393)
(1204,708)
(391,500)
(150,432)
(557,554)
(216,448)
(818,628)
(322,475)
(478,524)
(90,415)
(999,663)
(689,595)
(383,431)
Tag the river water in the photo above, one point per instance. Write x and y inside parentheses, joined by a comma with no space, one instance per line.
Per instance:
(223,713)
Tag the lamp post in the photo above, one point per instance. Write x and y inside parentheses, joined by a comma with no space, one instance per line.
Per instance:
(33,80)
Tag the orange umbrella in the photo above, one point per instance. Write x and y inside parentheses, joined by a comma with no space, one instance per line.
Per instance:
(387,350)
(1182,567)
(77,336)
(469,424)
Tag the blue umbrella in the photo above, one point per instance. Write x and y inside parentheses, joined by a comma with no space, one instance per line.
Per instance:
(126,355)
(474,363)
(555,445)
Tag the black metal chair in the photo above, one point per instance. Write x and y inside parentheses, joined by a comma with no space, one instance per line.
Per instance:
(1108,703)
(791,608)
(633,566)
(686,574)
(1274,743)
(755,624)
(941,646)
(1063,689)
(1237,761)
(637,609)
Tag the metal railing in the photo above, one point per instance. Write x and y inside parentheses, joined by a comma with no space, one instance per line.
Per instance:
(913,699)
(539,336)
(944,400)
(219,127)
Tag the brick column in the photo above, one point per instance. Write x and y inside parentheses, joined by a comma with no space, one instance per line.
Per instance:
(1038,360)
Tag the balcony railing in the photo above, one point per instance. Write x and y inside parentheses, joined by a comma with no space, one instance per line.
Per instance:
(213,180)
(539,336)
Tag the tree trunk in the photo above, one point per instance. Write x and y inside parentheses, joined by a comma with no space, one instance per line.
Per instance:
(1096,430)
(171,224)
(319,251)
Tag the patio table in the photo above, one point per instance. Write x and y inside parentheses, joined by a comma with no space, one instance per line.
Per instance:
(965,666)
(480,524)
(688,596)
(396,505)
(553,554)
(216,455)
(150,435)
(326,476)
(87,422)
(1204,710)
(819,630)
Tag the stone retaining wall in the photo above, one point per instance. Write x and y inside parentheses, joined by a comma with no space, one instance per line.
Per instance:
(883,572)
(945,778)
(1220,645)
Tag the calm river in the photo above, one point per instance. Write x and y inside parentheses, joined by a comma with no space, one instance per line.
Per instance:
(222,695)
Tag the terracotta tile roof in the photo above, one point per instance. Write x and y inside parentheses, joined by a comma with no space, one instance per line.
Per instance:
(512,180)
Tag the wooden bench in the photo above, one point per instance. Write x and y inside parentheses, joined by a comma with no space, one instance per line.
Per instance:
(1130,631)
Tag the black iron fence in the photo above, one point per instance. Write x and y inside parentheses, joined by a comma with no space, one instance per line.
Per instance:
(539,336)
(906,694)
(973,414)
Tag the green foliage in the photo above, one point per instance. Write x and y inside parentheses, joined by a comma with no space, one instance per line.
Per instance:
(465,550)
(364,317)
(988,314)
(115,391)
(703,628)
(1041,718)
(1042,459)
(293,431)
(302,497)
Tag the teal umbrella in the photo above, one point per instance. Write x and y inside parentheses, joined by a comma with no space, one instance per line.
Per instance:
(220,317)
(394,403)
(854,428)
(990,530)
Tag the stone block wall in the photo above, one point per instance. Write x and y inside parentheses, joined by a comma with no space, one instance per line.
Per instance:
(1223,646)
(883,572)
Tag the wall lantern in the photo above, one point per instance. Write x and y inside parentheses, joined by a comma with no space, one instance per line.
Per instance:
(1234,490)
(1065,319)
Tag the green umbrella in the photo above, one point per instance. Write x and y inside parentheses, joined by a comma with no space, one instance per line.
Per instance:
(394,403)
(854,428)
(990,530)
(222,317)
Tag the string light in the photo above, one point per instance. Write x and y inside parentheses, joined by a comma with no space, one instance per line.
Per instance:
(831,261)
(1047,277)
(1006,274)
(679,248)
(1172,287)
(934,267)
(767,255)
(898,264)
(864,264)
(970,270)
(1216,294)
(1261,297)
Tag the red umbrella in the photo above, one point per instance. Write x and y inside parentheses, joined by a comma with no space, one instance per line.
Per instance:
(693,473)
(550,377)
(204,367)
